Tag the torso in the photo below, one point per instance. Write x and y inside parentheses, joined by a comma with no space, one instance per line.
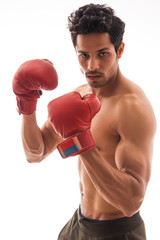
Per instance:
(106,137)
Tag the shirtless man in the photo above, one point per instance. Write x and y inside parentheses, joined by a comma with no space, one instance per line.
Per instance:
(115,154)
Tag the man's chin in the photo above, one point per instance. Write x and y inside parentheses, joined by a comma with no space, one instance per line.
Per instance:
(95,84)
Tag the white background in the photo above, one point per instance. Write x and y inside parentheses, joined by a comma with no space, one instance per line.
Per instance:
(36,200)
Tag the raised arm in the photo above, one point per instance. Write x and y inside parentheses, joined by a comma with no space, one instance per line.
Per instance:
(29,80)
(124,187)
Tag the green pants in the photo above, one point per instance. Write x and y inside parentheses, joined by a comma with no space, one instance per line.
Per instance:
(81,228)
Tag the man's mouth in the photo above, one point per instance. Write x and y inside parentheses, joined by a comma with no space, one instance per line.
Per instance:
(93,76)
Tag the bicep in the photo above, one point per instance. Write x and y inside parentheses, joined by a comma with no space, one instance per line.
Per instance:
(134,151)
(134,159)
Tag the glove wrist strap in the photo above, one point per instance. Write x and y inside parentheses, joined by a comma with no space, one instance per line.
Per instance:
(26,107)
(76,144)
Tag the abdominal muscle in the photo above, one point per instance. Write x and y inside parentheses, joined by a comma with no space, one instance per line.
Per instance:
(93,206)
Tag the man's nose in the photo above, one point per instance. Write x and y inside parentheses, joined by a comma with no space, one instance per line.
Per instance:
(93,64)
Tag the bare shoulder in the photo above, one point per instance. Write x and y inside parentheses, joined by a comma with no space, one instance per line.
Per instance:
(83,89)
(135,113)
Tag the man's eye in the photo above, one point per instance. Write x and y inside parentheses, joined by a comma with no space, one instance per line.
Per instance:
(84,55)
(103,54)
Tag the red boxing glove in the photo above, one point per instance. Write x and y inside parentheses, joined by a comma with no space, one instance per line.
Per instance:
(71,117)
(29,79)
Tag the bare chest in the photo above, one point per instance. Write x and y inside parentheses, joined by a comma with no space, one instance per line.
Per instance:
(104,125)
(104,129)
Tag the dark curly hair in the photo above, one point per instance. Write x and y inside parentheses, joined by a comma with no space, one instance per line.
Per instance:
(96,18)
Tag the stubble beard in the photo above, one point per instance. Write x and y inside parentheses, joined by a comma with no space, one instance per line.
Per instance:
(97,84)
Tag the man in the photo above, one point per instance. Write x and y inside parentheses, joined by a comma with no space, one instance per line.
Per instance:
(108,122)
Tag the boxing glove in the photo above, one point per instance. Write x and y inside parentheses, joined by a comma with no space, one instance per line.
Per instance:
(29,80)
(71,117)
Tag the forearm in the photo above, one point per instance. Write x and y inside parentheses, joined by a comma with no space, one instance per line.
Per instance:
(117,187)
(32,138)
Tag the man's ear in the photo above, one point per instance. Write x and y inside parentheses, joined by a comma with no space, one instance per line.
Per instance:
(120,50)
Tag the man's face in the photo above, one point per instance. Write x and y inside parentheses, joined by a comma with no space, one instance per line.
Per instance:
(97,57)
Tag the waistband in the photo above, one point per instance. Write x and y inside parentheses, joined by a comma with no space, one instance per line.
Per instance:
(109,227)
